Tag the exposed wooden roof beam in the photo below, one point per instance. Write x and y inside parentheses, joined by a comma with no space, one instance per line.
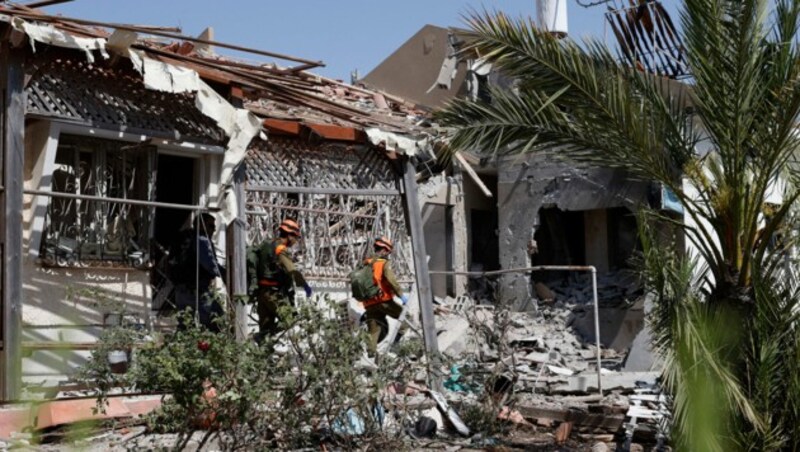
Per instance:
(165,34)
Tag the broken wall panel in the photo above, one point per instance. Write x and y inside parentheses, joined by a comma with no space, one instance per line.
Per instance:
(525,189)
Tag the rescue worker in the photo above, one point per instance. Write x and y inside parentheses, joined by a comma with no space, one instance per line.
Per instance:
(194,268)
(274,276)
(382,305)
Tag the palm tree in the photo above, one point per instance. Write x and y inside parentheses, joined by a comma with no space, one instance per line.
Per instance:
(724,322)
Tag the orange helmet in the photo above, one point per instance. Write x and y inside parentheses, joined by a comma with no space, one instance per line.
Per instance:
(384,243)
(290,227)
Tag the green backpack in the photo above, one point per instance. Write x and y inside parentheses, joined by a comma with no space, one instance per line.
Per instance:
(362,284)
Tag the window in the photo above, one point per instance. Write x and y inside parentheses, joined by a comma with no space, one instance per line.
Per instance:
(81,232)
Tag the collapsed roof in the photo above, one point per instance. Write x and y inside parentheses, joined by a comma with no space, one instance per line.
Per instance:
(174,86)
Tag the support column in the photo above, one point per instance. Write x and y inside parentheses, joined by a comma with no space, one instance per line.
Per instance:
(459,239)
(12,128)
(423,278)
(237,260)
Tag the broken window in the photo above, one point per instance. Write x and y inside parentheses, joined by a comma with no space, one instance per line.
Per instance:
(82,231)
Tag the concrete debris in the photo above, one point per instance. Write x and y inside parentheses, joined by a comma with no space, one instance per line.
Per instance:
(514,416)
(549,369)
(612,287)
(453,338)
(555,370)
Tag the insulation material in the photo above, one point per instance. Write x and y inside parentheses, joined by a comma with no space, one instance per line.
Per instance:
(120,41)
(47,34)
(238,124)
(395,142)
(160,76)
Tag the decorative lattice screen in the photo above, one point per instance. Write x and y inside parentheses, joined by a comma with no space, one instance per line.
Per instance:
(290,163)
(339,228)
(101,95)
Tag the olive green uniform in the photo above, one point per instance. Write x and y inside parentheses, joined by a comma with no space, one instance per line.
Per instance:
(271,300)
(376,313)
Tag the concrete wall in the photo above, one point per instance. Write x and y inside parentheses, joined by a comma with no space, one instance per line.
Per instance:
(445,218)
(525,187)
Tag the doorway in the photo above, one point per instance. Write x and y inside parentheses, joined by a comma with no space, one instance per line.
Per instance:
(175,184)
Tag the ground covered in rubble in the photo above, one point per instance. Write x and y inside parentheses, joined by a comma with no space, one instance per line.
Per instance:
(510,380)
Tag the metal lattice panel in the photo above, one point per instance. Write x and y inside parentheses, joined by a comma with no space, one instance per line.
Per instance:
(290,163)
(114,96)
(339,230)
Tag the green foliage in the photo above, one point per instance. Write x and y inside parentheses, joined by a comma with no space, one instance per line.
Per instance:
(98,372)
(289,392)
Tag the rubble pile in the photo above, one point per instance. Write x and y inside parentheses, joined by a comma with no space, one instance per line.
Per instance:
(612,287)
(551,370)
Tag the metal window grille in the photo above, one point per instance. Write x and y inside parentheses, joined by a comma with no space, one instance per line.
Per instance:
(87,232)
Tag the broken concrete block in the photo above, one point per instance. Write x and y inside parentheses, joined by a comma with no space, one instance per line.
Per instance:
(544,422)
(529,341)
(453,340)
(587,381)
(523,369)
(541,358)
(578,365)
(507,414)
(555,370)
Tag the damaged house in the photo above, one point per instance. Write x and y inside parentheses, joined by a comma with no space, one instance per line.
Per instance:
(112,142)
(510,213)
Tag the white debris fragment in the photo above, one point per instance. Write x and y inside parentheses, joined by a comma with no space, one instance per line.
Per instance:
(47,34)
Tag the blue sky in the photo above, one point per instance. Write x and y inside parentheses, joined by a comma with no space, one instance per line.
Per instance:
(345,34)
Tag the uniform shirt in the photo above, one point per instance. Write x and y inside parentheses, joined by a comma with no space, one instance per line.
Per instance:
(287,265)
